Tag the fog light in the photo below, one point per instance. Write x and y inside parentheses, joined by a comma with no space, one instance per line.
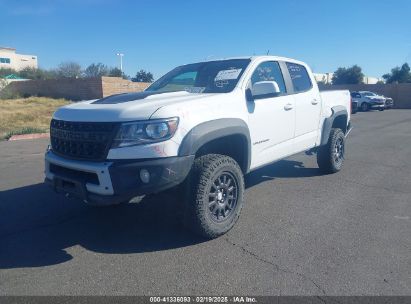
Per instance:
(144,176)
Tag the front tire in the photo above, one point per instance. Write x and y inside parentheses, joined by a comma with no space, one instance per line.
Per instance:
(330,157)
(217,195)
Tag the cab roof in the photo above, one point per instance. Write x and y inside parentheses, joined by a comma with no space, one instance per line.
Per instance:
(256,58)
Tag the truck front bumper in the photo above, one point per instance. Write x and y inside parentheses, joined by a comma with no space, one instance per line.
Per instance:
(114,181)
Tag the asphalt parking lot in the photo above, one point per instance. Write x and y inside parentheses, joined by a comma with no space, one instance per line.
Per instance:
(300,233)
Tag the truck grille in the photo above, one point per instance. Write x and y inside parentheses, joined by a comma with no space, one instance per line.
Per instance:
(82,140)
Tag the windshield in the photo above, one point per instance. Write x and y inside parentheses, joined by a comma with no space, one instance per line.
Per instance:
(204,77)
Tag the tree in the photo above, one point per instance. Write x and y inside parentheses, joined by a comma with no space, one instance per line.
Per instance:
(399,75)
(33,73)
(3,84)
(351,75)
(143,76)
(115,72)
(30,73)
(69,69)
(6,71)
(96,70)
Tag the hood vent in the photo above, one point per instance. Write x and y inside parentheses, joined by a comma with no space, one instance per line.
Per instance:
(125,97)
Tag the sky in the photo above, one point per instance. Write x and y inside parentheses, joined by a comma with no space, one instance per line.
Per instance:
(159,35)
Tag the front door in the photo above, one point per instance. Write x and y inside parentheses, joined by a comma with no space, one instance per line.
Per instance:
(271,119)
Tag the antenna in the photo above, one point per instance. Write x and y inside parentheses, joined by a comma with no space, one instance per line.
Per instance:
(268,52)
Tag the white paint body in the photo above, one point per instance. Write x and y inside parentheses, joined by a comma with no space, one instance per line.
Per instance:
(282,125)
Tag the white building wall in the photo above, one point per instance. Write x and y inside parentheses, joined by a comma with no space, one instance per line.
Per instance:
(10,59)
(371,80)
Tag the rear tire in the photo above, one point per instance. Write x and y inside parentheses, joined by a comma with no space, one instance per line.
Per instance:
(216,195)
(381,109)
(330,157)
(365,107)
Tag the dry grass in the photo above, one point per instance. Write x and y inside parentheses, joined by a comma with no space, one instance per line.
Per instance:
(28,115)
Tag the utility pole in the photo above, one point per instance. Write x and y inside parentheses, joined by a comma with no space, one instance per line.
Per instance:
(121,61)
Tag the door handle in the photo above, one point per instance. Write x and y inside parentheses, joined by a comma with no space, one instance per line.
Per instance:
(288,106)
(314,101)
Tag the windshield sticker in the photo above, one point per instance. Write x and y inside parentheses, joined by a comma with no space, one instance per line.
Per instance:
(221,83)
(228,74)
(293,76)
(194,89)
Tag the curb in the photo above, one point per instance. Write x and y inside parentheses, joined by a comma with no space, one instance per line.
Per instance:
(29,136)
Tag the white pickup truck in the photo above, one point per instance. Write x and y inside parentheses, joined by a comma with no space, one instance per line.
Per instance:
(202,126)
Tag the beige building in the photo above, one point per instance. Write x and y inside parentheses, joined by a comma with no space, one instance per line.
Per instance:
(10,59)
(326,78)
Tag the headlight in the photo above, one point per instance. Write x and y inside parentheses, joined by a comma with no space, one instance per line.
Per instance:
(145,132)
(157,130)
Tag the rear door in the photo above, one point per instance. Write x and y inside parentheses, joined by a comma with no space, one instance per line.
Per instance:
(307,105)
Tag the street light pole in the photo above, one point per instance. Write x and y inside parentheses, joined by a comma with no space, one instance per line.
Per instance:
(121,61)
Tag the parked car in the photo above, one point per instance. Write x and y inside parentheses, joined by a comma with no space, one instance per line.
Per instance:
(389,103)
(368,100)
(354,105)
(202,126)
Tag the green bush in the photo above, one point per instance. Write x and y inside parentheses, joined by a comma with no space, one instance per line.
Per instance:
(6,71)
(5,92)
(26,130)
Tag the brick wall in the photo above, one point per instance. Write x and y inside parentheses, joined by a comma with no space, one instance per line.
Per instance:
(401,92)
(93,88)
(76,89)
(116,85)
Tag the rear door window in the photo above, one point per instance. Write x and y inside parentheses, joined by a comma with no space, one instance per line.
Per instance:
(299,77)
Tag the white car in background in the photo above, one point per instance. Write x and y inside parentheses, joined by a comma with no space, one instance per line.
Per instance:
(389,102)
(367,100)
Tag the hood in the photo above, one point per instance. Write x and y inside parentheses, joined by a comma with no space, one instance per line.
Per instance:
(123,107)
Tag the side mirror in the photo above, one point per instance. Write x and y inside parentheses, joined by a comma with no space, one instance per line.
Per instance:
(265,89)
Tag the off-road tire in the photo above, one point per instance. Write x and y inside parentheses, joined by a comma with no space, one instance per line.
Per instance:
(327,158)
(206,172)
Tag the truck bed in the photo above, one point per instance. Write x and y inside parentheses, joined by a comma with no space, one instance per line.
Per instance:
(337,98)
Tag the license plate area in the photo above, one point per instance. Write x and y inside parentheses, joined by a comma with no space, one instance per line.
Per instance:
(70,186)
